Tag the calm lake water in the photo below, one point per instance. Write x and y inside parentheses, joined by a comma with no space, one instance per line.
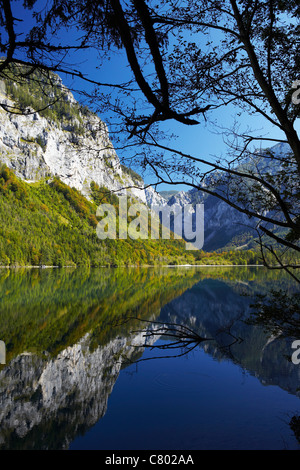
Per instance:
(152,359)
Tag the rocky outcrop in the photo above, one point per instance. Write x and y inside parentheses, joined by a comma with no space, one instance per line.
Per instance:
(36,147)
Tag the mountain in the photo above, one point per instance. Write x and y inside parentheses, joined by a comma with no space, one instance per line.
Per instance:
(225,228)
(64,139)
(57,165)
(168,194)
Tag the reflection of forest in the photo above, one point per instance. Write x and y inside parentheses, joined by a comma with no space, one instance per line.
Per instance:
(51,309)
(67,330)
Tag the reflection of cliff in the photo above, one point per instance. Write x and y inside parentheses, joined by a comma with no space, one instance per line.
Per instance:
(214,308)
(51,310)
(66,334)
(45,403)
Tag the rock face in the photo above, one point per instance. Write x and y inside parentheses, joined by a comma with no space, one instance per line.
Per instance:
(153,198)
(222,223)
(45,402)
(36,147)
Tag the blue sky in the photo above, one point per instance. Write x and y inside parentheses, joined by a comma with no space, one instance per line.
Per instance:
(201,140)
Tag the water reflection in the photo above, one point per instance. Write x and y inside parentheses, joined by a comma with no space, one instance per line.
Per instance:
(68,334)
(217,310)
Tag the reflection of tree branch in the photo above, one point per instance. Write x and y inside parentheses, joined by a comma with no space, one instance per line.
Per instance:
(183,338)
(227,329)
(184,353)
(9,25)
(180,330)
(236,340)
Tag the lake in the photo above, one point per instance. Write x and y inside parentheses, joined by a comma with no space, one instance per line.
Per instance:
(156,358)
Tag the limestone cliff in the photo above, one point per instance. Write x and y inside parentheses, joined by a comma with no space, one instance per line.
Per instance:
(76,148)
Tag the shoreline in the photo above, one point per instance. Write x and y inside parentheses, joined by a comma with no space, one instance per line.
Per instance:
(138,266)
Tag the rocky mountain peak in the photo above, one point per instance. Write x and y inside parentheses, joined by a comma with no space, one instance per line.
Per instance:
(67,141)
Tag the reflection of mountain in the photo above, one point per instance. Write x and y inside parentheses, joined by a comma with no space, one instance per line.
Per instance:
(65,334)
(46,402)
(217,309)
(66,338)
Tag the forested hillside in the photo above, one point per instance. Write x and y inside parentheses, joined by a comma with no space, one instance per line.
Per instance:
(51,220)
(49,223)
(53,224)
